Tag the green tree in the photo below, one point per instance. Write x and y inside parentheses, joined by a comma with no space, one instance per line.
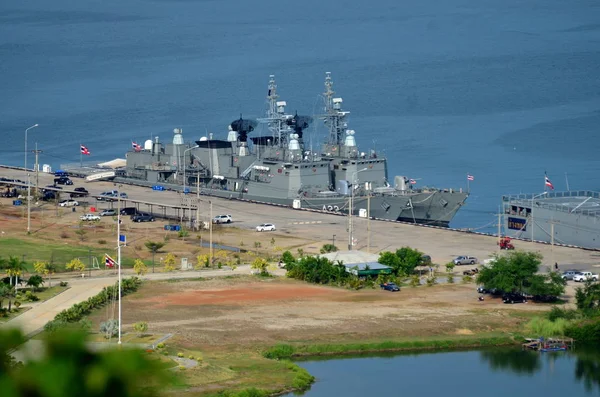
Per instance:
(140,328)
(403,261)
(588,297)
(154,247)
(83,372)
(4,293)
(328,248)
(517,271)
(35,281)
(287,258)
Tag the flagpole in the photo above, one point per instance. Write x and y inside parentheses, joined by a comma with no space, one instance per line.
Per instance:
(119,257)
(80,156)
(468,185)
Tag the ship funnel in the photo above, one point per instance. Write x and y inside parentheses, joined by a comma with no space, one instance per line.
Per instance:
(178,137)
(232,135)
(350,141)
(400,182)
(294,145)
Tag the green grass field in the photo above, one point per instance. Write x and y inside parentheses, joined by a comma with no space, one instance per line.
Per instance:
(60,254)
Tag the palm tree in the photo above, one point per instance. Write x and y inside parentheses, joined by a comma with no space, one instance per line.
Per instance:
(15,267)
(153,246)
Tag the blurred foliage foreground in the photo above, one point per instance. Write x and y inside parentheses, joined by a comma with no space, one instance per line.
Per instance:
(69,368)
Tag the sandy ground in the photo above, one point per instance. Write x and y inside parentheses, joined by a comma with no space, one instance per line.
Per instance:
(247,311)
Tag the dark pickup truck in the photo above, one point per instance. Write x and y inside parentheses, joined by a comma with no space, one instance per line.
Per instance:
(389,287)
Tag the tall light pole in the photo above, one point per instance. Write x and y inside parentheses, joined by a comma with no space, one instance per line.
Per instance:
(119,254)
(351,210)
(531,216)
(28,182)
(184,165)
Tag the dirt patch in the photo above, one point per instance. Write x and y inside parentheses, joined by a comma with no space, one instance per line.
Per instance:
(244,312)
(251,295)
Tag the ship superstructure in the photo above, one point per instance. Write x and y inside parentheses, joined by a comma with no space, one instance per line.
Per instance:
(278,168)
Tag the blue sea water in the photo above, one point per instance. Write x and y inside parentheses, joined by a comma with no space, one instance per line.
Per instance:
(502,89)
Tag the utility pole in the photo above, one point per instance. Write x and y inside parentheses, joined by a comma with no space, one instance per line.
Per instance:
(119,255)
(552,239)
(369,223)
(37,168)
(350,206)
(198,201)
(499,229)
(210,252)
(28,204)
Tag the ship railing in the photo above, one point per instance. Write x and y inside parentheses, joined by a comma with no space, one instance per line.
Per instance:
(570,193)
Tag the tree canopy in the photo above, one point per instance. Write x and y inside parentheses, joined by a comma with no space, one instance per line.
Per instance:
(517,272)
(403,261)
(316,270)
(69,368)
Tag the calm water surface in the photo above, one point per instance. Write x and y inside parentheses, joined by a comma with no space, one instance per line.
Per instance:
(501,89)
(490,373)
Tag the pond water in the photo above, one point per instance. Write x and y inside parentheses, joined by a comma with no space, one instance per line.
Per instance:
(490,372)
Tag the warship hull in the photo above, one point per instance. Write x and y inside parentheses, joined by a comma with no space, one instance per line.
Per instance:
(563,218)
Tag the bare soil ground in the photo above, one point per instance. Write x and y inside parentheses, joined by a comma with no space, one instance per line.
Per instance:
(248,311)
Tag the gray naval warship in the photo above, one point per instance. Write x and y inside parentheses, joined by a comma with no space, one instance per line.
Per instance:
(566,218)
(277,167)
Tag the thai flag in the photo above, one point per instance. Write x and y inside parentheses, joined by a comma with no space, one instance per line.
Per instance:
(470,177)
(84,150)
(109,262)
(548,183)
(135,146)
(412,181)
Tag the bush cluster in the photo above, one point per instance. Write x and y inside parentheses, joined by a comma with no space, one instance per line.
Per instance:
(79,310)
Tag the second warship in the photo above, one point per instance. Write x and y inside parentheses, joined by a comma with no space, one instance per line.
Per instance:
(279,168)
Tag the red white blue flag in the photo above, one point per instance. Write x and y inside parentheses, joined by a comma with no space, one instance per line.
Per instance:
(470,177)
(548,183)
(135,146)
(109,262)
(84,150)
(412,181)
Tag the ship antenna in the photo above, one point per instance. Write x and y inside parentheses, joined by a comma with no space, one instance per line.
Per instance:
(272,97)
(328,92)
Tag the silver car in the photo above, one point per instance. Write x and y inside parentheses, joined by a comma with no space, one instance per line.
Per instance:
(465,260)
(569,274)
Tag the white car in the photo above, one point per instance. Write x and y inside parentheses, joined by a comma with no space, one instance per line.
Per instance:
(222,219)
(89,217)
(266,227)
(465,260)
(68,203)
(584,276)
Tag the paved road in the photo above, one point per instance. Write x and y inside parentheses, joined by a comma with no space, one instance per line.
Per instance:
(318,228)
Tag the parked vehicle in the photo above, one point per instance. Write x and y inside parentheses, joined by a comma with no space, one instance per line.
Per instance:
(129,211)
(63,181)
(465,260)
(506,244)
(107,195)
(222,219)
(158,188)
(491,291)
(585,276)
(569,274)
(80,192)
(68,203)
(142,218)
(389,287)
(513,297)
(89,217)
(471,272)
(265,227)
(108,212)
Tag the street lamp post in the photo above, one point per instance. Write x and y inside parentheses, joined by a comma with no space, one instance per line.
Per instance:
(531,216)
(119,255)
(351,210)
(28,182)
(184,165)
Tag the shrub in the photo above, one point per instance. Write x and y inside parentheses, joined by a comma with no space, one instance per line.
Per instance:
(139,267)
(467,279)
(64,234)
(431,281)
(450,278)
(161,345)
(140,327)
(183,234)
(170,261)
(198,358)
(54,325)
(29,296)
(75,264)
(546,328)
(17,304)
(279,351)
(101,241)
(180,355)
(63,284)
(588,330)
(109,328)
(557,312)
(181,368)
(191,357)
(415,280)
